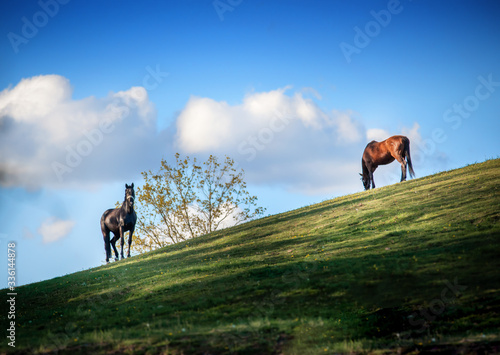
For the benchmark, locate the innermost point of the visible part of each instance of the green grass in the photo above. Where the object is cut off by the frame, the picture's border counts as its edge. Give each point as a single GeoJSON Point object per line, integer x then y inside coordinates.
{"type": "Point", "coordinates": [371, 272]}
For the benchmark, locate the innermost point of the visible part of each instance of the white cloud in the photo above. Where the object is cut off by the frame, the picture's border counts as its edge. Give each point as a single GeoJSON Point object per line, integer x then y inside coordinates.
{"type": "Point", "coordinates": [49, 139]}
{"type": "Point", "coordinates": [205, 124]}
{"type": "Point", "coordinates": [377, 134]}
{"type": "Point", "coordinates": [348, 129]}
{"type": "Point", "coordinates": [53, 229]}
{"type": "Point", "coordinates": [413, 134]}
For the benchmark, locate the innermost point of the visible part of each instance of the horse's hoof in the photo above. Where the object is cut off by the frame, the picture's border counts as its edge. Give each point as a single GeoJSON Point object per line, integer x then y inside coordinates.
{"type": "Point", "coordinates": [116, 259]}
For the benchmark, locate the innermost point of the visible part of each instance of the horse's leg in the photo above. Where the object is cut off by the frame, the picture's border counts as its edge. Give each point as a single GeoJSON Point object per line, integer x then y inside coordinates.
{"type": "Point", "coordinates": [371, 178]}
{"type": "Point", "coordinates": [130, 240]}
{"type": "Point", "coordinates": [107, 247]}
{"type": "Point", "coordinates": [113, 244]}
{"type": "Point", "coordinates": [122, 240]}
{"type": "Point", "coordinates": [402, 161]}
{"type": "Point", "coordinates": [398, 153]}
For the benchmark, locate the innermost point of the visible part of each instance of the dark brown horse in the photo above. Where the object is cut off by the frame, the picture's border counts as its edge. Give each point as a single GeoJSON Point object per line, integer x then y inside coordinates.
{"type": "Point", "coordinates": [382, 153]}
{"type": "Point", "coordinates": [118, 221]}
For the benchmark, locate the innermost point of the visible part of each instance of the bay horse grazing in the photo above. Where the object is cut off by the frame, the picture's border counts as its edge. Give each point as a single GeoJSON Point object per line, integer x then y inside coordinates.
{"type": "Point", "coordinates": [382, 153]}
{"type": "Point", "coordinates": [119, 220]}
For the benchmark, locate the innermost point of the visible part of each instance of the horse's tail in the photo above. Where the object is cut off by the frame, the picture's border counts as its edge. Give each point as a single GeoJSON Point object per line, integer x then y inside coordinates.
{"type": "Point", "coordinates": [408, 158]}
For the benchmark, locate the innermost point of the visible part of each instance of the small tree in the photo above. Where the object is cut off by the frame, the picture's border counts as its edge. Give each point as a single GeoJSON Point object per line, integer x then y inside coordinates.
{"type": "Point", "coordinates": [187, 200]}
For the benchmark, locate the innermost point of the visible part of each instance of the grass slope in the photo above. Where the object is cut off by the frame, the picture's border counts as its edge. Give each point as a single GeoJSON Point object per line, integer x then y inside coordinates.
{"type": "Point", "coordinates": [408, 267]}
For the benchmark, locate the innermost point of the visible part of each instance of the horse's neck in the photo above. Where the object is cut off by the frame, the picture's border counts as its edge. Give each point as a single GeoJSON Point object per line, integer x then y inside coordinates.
{"type": "Point", "coordinates": [366, 172]}
{"type": "Point", "coordinates": [126, 207]}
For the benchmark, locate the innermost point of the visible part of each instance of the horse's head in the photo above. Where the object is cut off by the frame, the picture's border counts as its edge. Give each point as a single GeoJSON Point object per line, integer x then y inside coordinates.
{"type": "Point", "coordinates": [366, 181]}
{"type": "Point", "coordinates": [130, 194]}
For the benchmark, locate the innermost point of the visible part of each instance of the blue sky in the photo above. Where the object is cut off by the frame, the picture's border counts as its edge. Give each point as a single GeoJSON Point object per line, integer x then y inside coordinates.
{"type": "Point", "coordinates": [292, 90]}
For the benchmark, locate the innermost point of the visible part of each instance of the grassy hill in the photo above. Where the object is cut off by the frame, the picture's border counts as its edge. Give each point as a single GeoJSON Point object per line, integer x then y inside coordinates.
{"type": "Point", "coordinates": [409, 267]}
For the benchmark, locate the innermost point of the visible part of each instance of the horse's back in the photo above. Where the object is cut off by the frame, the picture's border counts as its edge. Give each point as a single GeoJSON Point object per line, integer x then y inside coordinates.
{"type": "Point", "coordinates": [106, 213]}
{"type": "Point", "coordinates": [403, 140]}
{"type": "Point", "coordinates": [382, 153]}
